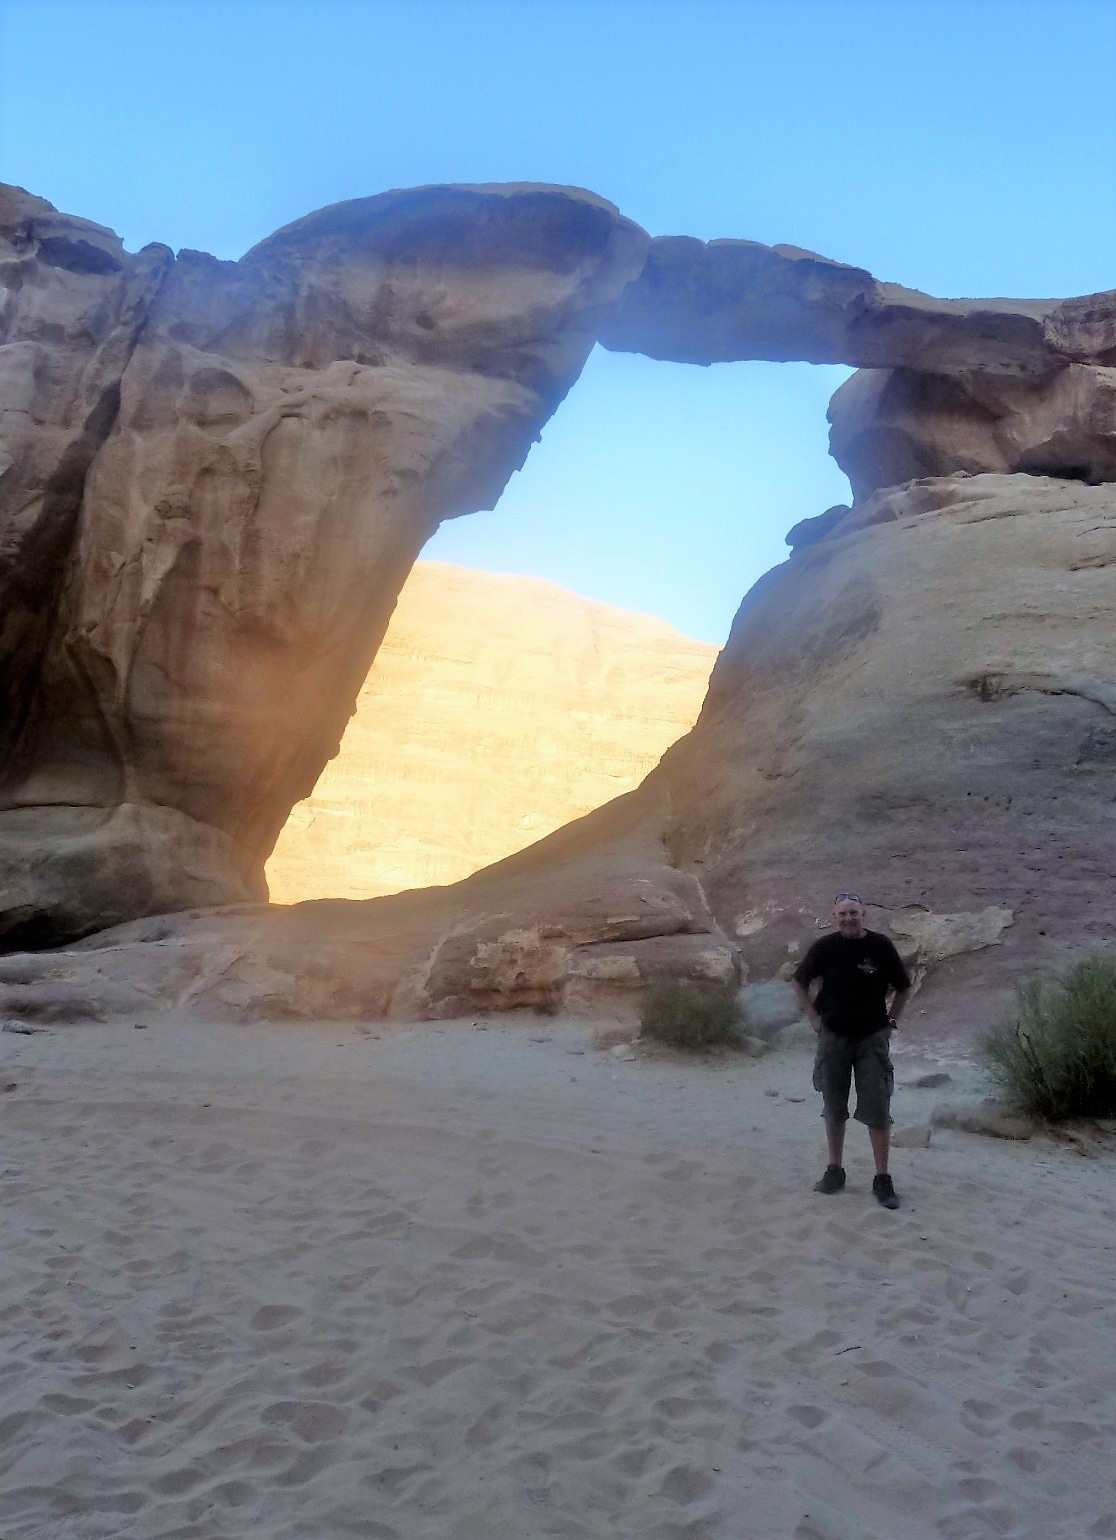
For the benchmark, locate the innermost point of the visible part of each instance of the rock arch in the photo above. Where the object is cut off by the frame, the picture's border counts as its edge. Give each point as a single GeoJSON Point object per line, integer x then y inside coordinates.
{"type": "Point", "coordinates": [218, 475]}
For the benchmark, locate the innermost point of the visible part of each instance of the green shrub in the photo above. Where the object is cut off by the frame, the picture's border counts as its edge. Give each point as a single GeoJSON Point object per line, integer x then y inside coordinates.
{"type": "Point", "coordinates": [1056, 1056]}
{"type": "Point", "coordinates": [690, 1016]}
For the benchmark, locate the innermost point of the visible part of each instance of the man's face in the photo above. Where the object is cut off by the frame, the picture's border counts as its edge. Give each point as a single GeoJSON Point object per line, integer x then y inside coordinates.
{"type": "Point", "coordinates": [848, 916]}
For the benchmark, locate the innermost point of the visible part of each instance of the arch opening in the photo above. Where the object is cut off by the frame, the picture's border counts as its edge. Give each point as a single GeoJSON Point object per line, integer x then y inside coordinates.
{"type": "Point", "coordinates": [544, 655]}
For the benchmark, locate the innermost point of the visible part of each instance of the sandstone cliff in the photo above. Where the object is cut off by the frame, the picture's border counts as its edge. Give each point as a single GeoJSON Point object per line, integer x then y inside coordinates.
{"type": "Point", "coordinates": [497, 709]}
{"type": "Point", "coordinates": [922, 705]}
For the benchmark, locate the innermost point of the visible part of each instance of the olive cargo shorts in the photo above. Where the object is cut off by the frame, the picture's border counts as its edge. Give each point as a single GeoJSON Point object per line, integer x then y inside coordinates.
{"type": "Point", "coordinates": [868, 1059]}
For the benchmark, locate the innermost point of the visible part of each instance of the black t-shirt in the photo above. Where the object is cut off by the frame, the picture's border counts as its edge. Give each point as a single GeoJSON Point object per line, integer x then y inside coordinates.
{"type": "Point", "coordinates": [856, 976]}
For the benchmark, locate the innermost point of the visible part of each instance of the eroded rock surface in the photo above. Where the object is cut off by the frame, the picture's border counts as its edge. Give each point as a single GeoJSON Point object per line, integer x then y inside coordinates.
{"type": "Point", "coordinates": [259, 458]}
{"type": "Point", "coordinates": [711, 302]}
{"type": "Point", "coordinates": [581, 921]}
{"type": "Point", "coordinates": [497, 709]}
{"type": "Point", "coordinates": [920, 706]}
{"type": "Point", "coordinates": [895, 425]}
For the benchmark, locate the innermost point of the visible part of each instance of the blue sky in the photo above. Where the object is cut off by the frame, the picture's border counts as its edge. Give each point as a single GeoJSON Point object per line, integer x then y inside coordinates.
{"type": "Point", "coordinates": [961, 148]}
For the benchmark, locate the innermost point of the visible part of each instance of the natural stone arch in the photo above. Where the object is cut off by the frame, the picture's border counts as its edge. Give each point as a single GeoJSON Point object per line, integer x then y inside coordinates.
{"type": "Point", "coordinates": [223, 471]}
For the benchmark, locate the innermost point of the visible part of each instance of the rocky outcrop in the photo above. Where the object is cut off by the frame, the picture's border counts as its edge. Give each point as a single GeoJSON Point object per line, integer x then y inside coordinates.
{"type": "Point", "coordinates": [497, 709]}
{"type": "Point", "coordinates": [581, 921]}
{"type": "Point", "coordinates": [897, 425]}
{"type": "Point", "coordinates": [234, 478]}
{"type": "Point", "coordinates": [921, 706]}
{"type": "Point", "coordinates": [943, 385]}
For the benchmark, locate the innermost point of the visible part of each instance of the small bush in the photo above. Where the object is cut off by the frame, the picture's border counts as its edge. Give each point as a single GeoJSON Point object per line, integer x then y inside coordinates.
{"type": "Point", "coordinates": [690, 1016]}
{"type": "Point", "coordinates": [1056, 1056]}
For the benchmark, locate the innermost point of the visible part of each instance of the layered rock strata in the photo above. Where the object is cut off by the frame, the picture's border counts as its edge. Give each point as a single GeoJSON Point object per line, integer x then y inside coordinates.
{"type": "Point", "coordinates": [497, 709]}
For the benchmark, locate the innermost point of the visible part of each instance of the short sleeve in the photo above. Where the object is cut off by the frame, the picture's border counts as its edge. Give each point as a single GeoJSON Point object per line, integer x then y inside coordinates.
{"type": "Point", "coordinates": [808, 969]}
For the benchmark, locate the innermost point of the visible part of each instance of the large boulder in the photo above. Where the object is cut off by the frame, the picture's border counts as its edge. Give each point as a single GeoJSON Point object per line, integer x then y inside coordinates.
{"type": "Point", "coordinates": [200, 552]}
{"type": "Point", "coordinates": [895, 425]}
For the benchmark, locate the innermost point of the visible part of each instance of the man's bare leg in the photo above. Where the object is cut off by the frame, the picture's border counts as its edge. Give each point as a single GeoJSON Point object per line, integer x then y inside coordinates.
{"type": "Point", "coordinates": [835, 1139]}
{"type": "Point", "coordinates": [881, 1144]}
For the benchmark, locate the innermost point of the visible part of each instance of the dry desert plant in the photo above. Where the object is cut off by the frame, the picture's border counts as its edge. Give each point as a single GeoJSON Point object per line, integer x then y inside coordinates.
{"type": "Point", "coordinates": [690, 1016]}
{"type": "Point", "coordinates": [1056, 1054]}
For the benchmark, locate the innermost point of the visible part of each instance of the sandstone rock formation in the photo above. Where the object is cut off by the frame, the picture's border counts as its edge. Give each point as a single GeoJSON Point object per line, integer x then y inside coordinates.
{"type": "Point", "coordinates": [241, 462]}
{"type": "Point", "coordinates": [581, 920]}
{"type": "Point", "coordinates": [921, 703]}
{"type": "Point", "coordinates": [497, 709]}
{"type": "Point", "coordinates": [217, 476]}
{"type": "Point", "coordinates": [895, 425]}
{"type": "Point", "coordinates": [711, 302]}
{"type": "Point", "coordinates": [944, 385]}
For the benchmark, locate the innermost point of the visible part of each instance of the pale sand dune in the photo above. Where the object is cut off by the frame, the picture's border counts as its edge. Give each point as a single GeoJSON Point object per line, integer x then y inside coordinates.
{"type": "Point", "coordinates": [283, 1281]}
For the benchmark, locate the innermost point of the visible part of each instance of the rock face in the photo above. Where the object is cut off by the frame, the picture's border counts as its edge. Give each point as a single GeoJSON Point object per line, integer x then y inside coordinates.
{"type": "Point", "coordinates": [216, 476]}
{"type": "Point", "coordinates": [920, 706]}
{"type": "Point", "coordinates": [238, 464]}
{"type": "Point", "coordinates": [497, 709]}
{"type": "Point", "coordinates": [896, 425]}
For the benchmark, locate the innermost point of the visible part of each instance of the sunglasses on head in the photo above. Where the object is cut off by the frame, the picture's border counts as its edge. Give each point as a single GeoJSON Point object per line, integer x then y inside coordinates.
{"type": "Point", "coordinates": [847, 898]}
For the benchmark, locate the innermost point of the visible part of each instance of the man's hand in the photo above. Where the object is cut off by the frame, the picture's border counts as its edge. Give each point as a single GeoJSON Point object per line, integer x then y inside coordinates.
{"type": "Point", "coordinates": [807, 1005]}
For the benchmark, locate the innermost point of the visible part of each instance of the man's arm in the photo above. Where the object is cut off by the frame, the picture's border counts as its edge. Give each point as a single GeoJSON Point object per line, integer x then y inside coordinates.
{"type": "Point", "coordinates": [809, 1010]}
{"type": "Point", "coordinates": [901, 983]}
{"type": "Point", "coordinates": [898, 1005]}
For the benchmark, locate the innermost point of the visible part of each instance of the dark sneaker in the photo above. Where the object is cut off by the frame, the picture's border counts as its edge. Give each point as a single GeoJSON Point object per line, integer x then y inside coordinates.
{"type": "Point", "coordinates": [833, 1179]}
{"type": "Point", "coordinates": [884, 1189]}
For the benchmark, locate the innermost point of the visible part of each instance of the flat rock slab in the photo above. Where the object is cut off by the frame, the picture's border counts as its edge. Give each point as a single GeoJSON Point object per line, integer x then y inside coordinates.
{"type": "Point", "coordinates": [995, 1122]}
{"type": "Point", "coordinates": [916, 1138]}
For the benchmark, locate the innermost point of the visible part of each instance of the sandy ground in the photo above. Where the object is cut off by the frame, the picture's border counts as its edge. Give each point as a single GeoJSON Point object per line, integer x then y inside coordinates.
{"type": "Point", "coordinates": [302, 1282]}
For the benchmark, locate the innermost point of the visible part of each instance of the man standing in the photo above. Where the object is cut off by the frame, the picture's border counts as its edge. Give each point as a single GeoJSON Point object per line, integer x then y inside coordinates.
{"type": "Point", "coordinates": [849, 1013]}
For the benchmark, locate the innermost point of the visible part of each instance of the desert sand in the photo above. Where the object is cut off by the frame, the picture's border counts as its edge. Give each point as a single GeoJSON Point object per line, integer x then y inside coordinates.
{"type": "Point", "coordinates": [466, 1281]}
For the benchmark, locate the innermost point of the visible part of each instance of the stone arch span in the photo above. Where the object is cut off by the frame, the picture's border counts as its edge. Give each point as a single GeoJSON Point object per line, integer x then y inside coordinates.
{"type": "Point", "coordinates": [220, 474]}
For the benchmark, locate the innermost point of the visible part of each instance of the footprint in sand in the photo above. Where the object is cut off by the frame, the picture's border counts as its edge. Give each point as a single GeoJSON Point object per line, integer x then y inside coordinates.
{"type": "Point", "coordinates": [977, 1415]}
{"type": "Point", "coordinates": [314, 1422]}
{"type": "Point", "coordinates": [271, 1317]}
{"type": "Point", "coordinates": [232, 1494]}
{"type": "Point", "coordinates": [685, 1484]}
